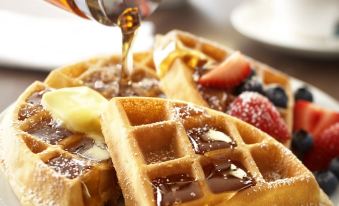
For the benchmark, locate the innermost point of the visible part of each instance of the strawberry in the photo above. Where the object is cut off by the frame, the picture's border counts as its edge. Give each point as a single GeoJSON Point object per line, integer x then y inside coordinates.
{"type": "Point", "coordinates": [325, 148]}
{"type": "Point", "coordinates": [257, 110]}
{"type": "Point", "coordinates": [230, 73]}
{"type": "Point", "coordinates": [306, 117]}
{"type": "Point", "coordinates": [312, 118]}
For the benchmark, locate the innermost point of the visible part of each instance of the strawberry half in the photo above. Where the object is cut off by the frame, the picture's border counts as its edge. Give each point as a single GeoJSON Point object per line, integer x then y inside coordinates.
{"type": "Point", "coordinates": [312, 118]}
{"type": "Point", "coordinates": [325, 148]}
{"type": "Point", "coordinates": [230, 73]}
{"type": "Point", "coordinates": [257, 110]}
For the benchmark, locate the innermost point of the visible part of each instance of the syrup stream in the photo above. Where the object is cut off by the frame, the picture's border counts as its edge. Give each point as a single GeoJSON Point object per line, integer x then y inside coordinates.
{"type": "Point", "coordinates": [129, 22]}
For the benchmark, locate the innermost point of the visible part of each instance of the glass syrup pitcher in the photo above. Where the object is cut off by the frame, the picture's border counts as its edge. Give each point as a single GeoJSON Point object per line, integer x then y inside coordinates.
{"type": "Point", "coordinates": [126, 14]}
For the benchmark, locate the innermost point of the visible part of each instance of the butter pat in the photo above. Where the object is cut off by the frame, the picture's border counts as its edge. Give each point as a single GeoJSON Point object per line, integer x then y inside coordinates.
{"type": "Point", "coordinates": [97, 153]}
{"type": "Point", "coordinates": [213, 135]}
{"type": "Point", "coordinates": [237, 172]}
{"type": "Point", "coordinates": [78, 108]}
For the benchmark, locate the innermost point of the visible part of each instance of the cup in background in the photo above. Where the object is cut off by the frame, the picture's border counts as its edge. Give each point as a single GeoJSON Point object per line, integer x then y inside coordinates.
{"type": "Point", "coordinates": [218, 11]}
{"type": "Point", "coordinates": [309, 18]}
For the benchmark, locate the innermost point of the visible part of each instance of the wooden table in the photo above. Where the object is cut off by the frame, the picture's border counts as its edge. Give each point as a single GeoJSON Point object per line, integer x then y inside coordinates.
{"type": "Point", "coordinates": [320, 73]}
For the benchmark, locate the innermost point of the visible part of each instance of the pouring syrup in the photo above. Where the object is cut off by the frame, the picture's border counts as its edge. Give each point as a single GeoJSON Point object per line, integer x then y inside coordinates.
{"type": "Point", "coordinates": [126, 14]}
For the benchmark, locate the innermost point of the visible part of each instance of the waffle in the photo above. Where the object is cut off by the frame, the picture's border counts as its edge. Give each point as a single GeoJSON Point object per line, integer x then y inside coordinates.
{"type": "Point", "coordinates": [47, 164]}
{"type": "Point", "coordinates": [49, 145]}
{"type": "Point", "coordinates": [178, 56]}
{"type": "Point", "coordinates": [102, 74]}
{"type": "Point", "coordinates": [168, 152]}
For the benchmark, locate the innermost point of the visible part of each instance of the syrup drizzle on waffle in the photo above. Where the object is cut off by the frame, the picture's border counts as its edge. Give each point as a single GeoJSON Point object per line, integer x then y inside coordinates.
{"type": "Point", "coordinates": [65, 156]}
{"type": "Point", "coordinates": [175, 188]}
{"type": "Point", "coordinates": [205, 139]}
{"type": "Point", "coordinates": [68, 167]}
{"type": "Point", "coordinates": [110, 83]}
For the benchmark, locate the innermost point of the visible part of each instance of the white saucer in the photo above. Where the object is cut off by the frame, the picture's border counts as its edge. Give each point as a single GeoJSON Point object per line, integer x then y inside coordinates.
{"type": "Point", "coordinates": [254, 19]}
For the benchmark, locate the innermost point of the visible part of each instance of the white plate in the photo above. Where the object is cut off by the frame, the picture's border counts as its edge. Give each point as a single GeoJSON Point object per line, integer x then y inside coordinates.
{"type": "Point", "coordinates": [254, 19]}
{"type": "Point", "coordinates": [37, 35]}
{"type": "Point", "coordinates": [8, 198]}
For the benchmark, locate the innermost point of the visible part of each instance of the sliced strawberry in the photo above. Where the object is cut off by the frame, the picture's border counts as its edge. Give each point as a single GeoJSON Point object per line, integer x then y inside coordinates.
{"type": "Point", "coordinates": [231, 73]}
{"type": "Point", "coordinates": [306, 117]}
{"type": "Point", "coordinates": [328, 118]}
{"type": "Point", "coordinates": [325, 148]}
{"type": "Point", "coordinates": [312, 118]}
{"type": "Point", "coordinates": [257, 110]}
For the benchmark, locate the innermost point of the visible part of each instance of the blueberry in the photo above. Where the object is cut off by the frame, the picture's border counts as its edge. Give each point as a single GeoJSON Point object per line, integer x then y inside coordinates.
{"type": "Point", "coordinates": [334, 166]}
{"type": "Point", "coordinates": [303, 93]}
{"type": "Point", "coordinates": [277, 95]}
{"type": "Point", "coordinates": [252, 84]}
{"type": "Point", "coordinates": [301, 142]}
{"type": "Point", "coordinates": [252, 74]}
{"type": "Point", "coordinates": [327, 181]}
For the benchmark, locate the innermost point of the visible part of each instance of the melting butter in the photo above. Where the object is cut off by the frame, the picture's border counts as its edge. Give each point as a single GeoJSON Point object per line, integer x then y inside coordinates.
{"type": "Point", "coordinates": [168, 49]}
{"type": "Point", "coordinates": [217, 136]}
{"type": "Point", "coordinates": [78, 108]}
{"type": "Point", "coordinates": [237, 172]}
{"type": "Point", "coordinates": [97, 152]}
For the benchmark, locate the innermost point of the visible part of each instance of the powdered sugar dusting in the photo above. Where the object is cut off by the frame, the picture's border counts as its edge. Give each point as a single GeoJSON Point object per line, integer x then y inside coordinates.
{"type": "Point", "coordinates": [33, 105]}
{"type": "Point", "coordinates": [246, 110]}
{"type": "Point", "coordinates": [187, 111]}
{"type": "Point", "coordinates": [38, 193]}
{"type": "Point", "coordinates": [49, 130]}
{"type": "Point", "coordinates": [110, 82]}
{"type": "Point", "coordinates": [70, 168]}
{"type": "Point", "coordinates": [161, 155]}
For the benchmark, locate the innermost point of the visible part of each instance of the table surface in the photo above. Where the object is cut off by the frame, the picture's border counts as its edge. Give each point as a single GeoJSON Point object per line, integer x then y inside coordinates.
{"type": "Point", "coordinates": [322, 74]}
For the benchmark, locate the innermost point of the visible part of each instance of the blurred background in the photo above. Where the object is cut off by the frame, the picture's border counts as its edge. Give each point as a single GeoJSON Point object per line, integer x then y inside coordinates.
{"type": "Point", "coordinates": [298, 37]}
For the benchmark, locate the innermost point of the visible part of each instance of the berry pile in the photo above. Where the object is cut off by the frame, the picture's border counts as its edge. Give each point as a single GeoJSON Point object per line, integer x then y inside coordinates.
{"type": "Point", "coordinates": [236, 74]}
{"type": "Point", "coordinates": [316, 139]}
{"type": "Point", "coordinates": [275, 93]}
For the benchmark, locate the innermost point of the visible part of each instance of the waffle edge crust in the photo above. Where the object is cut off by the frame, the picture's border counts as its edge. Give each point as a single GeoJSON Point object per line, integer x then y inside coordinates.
{"type": "Point", "coordinates": [148, 140]}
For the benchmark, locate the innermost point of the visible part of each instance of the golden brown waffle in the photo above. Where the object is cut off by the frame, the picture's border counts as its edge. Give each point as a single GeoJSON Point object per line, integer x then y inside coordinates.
{"type": "Point", "coordinates": [47, 144]}
{"type": "Point", "coordinates": [47, 164]}
{"type": "Point", "coordinates": [162, 157]}
{"type": "Point", "coordinates": [178, 54]}
{"type": "Point", "coordinates": [102, 74]}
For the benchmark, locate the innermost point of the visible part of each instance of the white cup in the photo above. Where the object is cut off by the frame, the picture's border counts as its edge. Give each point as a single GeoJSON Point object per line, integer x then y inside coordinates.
{"type": "Point", "coordinates": [311, 18]}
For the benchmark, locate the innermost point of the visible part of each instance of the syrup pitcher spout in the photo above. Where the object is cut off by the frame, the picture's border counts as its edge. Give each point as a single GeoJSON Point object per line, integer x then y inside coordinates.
{"type": "Point", "coordinates": [106, 12]}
